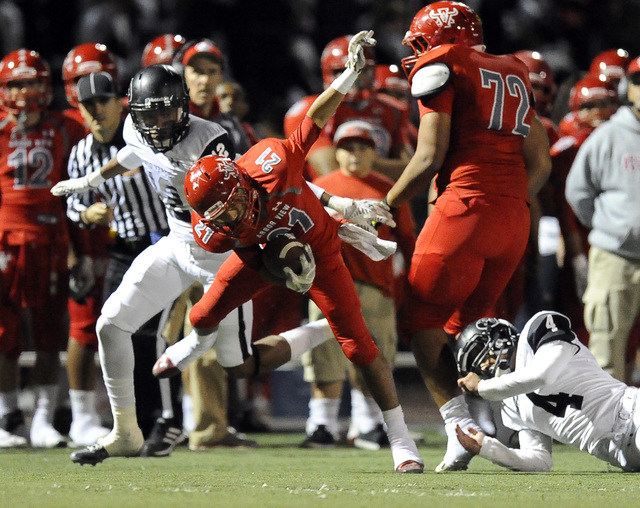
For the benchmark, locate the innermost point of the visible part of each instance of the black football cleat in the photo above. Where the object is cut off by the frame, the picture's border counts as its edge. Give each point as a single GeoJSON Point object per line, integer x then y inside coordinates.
{"type": "Point", "coordinates": [93, 455]}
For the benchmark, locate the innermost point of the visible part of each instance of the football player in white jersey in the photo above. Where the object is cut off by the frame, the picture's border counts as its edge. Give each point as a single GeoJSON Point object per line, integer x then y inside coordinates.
{"type": "Point", "coordinates": [551, 388]}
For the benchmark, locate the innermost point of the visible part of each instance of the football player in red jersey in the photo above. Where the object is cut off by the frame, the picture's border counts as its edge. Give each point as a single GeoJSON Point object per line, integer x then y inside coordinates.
{"type": "Point", "coordinates": [35, 143]}
{"type": "Point", "coordinates": [262, 195]}
{"type": "Point", "coordinates": [361, 103]}
{"type": "Point", "coordinates": [483, 140]}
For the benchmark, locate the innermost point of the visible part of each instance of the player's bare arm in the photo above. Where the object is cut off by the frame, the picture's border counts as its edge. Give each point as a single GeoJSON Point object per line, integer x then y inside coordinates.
{"type": "Point", "coordinates": [536, 156]}
{"type": "Point", "coordinates": [433, 144]}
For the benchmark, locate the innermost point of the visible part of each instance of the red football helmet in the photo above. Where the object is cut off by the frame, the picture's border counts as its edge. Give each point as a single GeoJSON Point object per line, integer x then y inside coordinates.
{"type": "Point", "coordinates": [334, 59]}
{"type": "Point", "coordinates": [541, 76]}
{"type": "Point", "coordinates": [24, 65]}
{"type": "Point", "coordinates": [389, 80]}
{"type": "Point", "coordinates": [161, 49]}
{"type": "Point", "coordinates": [220, 192]}
{"type": "Point", "coordinates": [593, 100]}
{"type": "Point", "coordinates": [82, 60]}
{"type": "Point", "coordinates": [610, 65]}
{"type": "Point", "coordinates": [441, 23]}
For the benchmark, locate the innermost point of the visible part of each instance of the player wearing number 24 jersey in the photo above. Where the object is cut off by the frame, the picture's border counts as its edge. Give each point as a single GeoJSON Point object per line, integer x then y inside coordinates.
{"type": "Point", "coordinates": [555, 391]}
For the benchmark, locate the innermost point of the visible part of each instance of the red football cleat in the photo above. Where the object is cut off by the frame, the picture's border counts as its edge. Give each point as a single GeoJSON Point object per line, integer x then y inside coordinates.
{"type": "Point", "coordinates": [410, 467]}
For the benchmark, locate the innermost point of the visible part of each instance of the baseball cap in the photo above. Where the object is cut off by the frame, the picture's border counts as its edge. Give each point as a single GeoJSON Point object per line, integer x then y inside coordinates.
{"type": "Point", "coordinates": [96, 84]}
{"type": "Point", "coordinates": [206, 48]}
{"type": "Point", "coordinates": [355, 129]}
{"type": "Point", "coordinates": [634, 66]}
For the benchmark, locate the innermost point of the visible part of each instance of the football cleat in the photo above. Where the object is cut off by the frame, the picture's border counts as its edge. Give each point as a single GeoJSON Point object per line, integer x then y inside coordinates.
{"type": "Point", "coordinates": [8, 440]}
{"type": "Point", "coordinates": [457, 465]}
{"type": "Point", "coordinates": [372, 440]}
{"type": "Point", "coordinates": [410, 467]}
{"type": "Point", "coordinates": [165, 436]}
{"type": "Point", "coordinates": [320, 439]}
{"type": "Point", "coordinates": [164, 367]}
{"type": "Point", "coordinates": [93, 455]}
{"type": "Point", "coordinates": [233, 439]}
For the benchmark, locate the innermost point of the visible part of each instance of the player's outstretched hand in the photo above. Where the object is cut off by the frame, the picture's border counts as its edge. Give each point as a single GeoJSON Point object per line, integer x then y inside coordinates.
{"type": "Point", "coordinates": [356, 58]}
{"type": "Point", "coordinates": [472, 442]}
{"type": "Point", "coordinates": [302, 282]}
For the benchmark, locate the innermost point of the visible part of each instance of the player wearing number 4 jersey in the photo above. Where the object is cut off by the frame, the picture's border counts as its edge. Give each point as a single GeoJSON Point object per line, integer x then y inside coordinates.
{"type": "Point", "coordinates": [552, 389]}
{"type": "Point", "coordinates": [480, 136]}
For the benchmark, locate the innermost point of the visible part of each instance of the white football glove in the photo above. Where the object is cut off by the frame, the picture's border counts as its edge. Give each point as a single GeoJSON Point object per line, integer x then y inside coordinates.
{"type": "Point", "coordinates": [356, 60]}
{"type": "Point", "coordinates": [79, 185]}
{"type": "Point", "coordinates": [303, 282]}
{"type": "Point", "coordinates": [580, 274]}
{"type": "Point", "coordinates": [363, 212]}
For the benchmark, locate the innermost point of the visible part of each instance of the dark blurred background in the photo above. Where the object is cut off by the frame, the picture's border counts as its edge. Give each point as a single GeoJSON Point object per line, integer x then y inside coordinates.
{"type": "Point", "coordinates": [273, 46]}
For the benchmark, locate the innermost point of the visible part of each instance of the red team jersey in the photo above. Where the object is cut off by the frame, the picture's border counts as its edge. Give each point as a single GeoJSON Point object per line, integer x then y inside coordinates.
{"type": "Point", "coordinates": [476, 235]}
{"type": "Point", "coordinates": [33, 232]}
{"type": "Point", "coordinates": [287, 205]}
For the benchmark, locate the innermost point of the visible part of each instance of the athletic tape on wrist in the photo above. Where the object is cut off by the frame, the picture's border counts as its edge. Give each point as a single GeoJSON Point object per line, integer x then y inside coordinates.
{"type": "Point", "coordinates": [345, 81]}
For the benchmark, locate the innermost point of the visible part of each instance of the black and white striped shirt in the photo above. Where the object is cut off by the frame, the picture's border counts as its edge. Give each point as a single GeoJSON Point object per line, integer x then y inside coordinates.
{"type": "Point", "coordinates": [137, 209]}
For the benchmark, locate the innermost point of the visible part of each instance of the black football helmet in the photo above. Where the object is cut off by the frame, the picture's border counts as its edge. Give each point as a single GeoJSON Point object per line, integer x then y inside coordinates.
{"type": "Point", "coordinates": [482, 341]}
{"type": "Point", "coordinates": [159, 105]}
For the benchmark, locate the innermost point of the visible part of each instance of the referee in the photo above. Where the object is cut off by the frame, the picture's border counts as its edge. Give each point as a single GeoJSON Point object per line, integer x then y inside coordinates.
{"type": "Point", "coordinates": [137, 218]}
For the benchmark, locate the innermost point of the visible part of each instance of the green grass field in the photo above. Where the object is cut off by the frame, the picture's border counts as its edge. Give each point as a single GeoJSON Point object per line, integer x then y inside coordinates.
{"type": "Point", "coordinates": [279, 474]}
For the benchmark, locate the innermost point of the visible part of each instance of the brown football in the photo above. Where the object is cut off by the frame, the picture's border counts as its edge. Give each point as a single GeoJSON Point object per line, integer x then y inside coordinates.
{"type": "Point", "coordinates": [283, 251]}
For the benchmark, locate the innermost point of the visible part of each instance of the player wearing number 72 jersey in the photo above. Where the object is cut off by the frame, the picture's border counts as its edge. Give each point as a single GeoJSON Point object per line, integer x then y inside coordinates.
{"type": "Point", "coordinates": [479, 134]}
{"type": "Point", "coordinates": [555, 391]}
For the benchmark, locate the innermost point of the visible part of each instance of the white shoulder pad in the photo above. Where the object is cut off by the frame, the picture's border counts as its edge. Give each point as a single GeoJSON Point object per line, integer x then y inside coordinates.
{"type": "Point", "coordinates": [430, 80]}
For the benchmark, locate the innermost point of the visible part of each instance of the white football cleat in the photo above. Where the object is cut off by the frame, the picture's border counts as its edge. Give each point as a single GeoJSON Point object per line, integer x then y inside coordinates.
{"type": "Point", "coordinates": [45, 436]}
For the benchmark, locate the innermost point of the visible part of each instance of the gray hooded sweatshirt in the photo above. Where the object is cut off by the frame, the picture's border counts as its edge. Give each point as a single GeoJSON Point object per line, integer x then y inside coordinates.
{"type": "Point", "coordinates": [603, 186]}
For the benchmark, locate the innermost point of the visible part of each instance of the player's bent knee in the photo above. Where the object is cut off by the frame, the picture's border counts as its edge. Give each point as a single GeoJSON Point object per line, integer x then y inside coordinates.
{"type": "Point", "coordinates": [107, 331]}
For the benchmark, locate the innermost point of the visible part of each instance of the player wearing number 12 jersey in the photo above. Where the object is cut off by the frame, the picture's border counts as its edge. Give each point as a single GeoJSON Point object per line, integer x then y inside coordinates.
{"type": "Point", "coordinates": [479, 134]}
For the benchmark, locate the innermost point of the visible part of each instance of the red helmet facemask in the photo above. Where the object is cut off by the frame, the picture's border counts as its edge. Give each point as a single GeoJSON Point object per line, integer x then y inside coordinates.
{"type": "Point", "coordinates": [24, 66]}
{"type": "Point", "coordinates": [441, 23]}
{"type": "Point", "coordinates": [82, 60]}
{"type": "Point", "coordinates": [218, 190]}
{"type": "Point", "coordinates": [593, 101]}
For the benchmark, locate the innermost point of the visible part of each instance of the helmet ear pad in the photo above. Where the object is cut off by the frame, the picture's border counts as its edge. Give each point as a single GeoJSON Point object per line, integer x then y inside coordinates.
{"type": "Point", "coordinates": [159, 88]}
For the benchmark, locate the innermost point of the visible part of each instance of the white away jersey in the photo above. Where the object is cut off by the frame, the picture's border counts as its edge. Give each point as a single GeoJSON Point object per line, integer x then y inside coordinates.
{"type": "Point", "coordinates": [580, 407]}
{"type": "Point", "coordinates": [166, 171]}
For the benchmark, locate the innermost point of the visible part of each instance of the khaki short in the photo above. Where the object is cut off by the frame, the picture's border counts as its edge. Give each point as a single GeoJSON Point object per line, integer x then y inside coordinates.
{"type": "Point", "coordinates": [327, 362]}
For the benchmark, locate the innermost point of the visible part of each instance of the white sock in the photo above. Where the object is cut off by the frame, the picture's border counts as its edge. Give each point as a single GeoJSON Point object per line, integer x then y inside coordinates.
{"type": "Point", "coordinates": [365, 412]}
{"type": "Point", "coordinates": [403, 447]}
{"type": "Point", "coordinates": [188, 422]}
{"type": "Point", "coordinates": [305, 338]}
{"type": "Point", "coordinates": [323, 412]}
{"type": "Point", "coordinates": [8, 402]}
{"type": "Point", "coordinates": [190, 348]}
{"type": "Point", "coordinates": [456, 412]}
{"type": "Point", "coordinates": [126, 437]}
{"type": "Point", "coordinates": [46, 396]}
{"type": "Point", "coordinates": [83, 403]}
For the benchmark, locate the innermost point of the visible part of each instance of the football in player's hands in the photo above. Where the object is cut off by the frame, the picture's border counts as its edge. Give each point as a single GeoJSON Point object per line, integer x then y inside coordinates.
{"type": "Point", "coordinates": [283, 251]}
